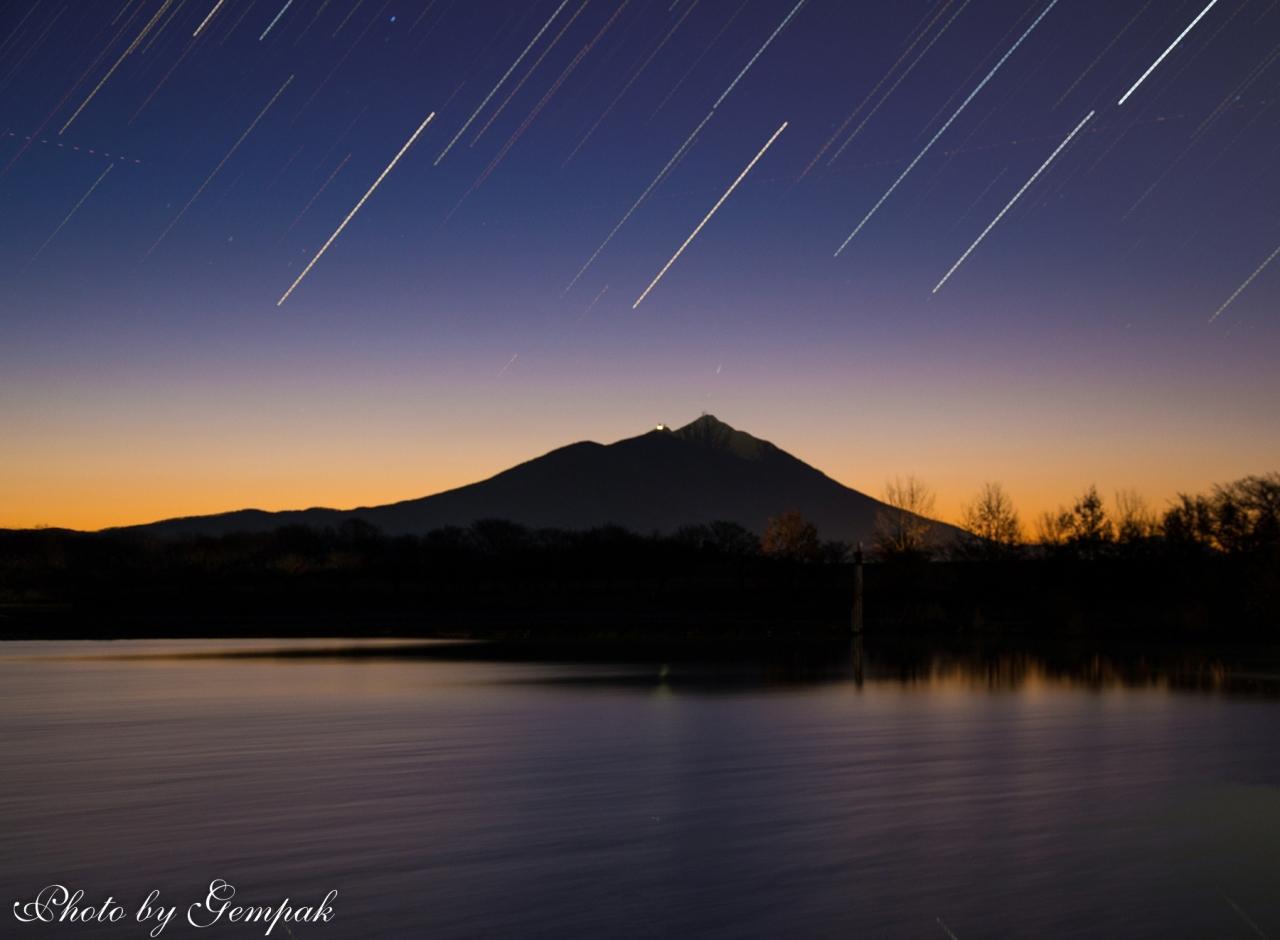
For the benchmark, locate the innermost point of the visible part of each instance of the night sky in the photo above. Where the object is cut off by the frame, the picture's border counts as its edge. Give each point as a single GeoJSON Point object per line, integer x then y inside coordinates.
{"type": "Point", "coordinates": [168, 169]}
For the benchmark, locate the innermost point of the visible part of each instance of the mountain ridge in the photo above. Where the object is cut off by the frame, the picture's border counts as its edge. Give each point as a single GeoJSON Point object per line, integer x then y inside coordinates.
{"type": "Point", "coordinates": [657, 481]}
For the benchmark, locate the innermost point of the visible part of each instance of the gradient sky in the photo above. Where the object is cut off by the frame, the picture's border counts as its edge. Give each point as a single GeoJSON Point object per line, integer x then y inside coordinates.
{"type": "Point", "coordinates": [1076, 345]}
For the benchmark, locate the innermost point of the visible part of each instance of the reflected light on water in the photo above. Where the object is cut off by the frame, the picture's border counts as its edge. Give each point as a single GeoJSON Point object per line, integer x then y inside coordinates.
{"type": "Point", "coordinates": [456, 790]}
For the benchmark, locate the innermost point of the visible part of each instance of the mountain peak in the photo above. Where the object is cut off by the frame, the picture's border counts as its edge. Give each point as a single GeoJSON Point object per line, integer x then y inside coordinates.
{"type": "Point", "coordinates": [710, 431]}
{"type": "Point", "coordinates": [707, 420]}
{"type": "Point", "coordinates": [661, 481]}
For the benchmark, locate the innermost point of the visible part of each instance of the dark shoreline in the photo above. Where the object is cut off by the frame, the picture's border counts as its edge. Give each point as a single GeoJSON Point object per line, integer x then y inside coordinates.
{"type": "Point", "coordinates": [500, 581]}
{"type": "Point", "coordinates": [698, 662]}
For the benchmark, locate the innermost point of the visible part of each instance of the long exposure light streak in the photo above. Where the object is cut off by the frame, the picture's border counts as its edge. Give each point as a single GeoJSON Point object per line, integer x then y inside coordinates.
{"type": "Point", "coordinates": [507, 74]}
{"type": "Point", "coordinates": [942, 130]}
{"type": "Point", "coordinates": [323, 187]}
{"type": "Point", "coordinates": [351, 214]}
{"type": "Point", "coordinates": [528, 74]}
{"type": "Point", "coordinates": [636, 205]}
{"type": "Point", "coordinates": [1247, 281]}
{"type": "Point", "coordinates": [894, 87]}
{"type": "Point", "coordinates": [73, 211]}
{"type": "Point", "coordinates": [124, 55]}
{"type": "Point", "coordinates": [221, 163]}
{"type": "Point", "coordinates": [684, 147]}
{"type": "Point", "coordinates": [273, 23]}
{"type": "Point", "coordinates": [1163, 55]}
{"type": "Point", "coordinates": [205, 22]}
{"type": "Point", "coordinates": [747, 67]}
{"type": "Point", "coordinates": [1016, 196]}
{"type": "Point", "coordinates": [707, 218]}
{"type": "Point", "coordinates": [631, 81]}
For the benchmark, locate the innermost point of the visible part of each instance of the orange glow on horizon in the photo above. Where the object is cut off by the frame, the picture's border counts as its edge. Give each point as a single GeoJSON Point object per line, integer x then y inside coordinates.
{"type": "Point", "coordinates": [149, 480]}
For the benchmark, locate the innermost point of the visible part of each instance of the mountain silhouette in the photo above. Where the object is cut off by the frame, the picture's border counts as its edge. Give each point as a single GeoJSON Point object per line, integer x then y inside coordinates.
{"type": "Point", "coordinates": [657, 482]}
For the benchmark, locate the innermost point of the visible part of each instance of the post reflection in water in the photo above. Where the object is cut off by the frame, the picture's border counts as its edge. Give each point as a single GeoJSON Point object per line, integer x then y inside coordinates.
{"type": "Point", "coordinates": [454, 790]}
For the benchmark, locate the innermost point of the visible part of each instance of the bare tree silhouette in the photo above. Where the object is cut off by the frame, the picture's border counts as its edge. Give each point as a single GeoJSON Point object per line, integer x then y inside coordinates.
{"type": "Point", "coordinates": [791, 535]}
{"type": "Point", "coordinates": [993, 523]}
{"type": "Point", "coordinates": [1135, 522]}
{"type": "Point", "coordinates": [903, 529]}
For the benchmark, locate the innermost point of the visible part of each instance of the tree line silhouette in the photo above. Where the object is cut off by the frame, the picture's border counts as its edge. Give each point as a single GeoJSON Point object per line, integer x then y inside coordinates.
{"type": "Point", "coordinates": [1234, 519]}
{"type": "Point", "coordinates": [1208, 565]}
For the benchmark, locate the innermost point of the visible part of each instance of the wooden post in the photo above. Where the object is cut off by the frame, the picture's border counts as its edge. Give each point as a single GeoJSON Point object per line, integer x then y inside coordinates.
{"type": "Point", "coordinates": [857, 591]}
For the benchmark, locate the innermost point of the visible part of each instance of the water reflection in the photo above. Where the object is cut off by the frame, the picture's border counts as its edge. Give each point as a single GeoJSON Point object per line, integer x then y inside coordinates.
{"type": "Point", "coordinates": [462, 789]}
{"type": "Point", "coordinates": [694, 665]}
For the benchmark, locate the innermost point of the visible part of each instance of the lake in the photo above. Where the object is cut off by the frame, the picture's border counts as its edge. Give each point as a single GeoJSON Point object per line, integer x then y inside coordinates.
{"type": "Point", "coordinates": [447, 791]}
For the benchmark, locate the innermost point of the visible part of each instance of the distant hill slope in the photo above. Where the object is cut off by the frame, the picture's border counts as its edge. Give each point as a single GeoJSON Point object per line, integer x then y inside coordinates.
{"type": "Point", "coordinates": [659, 481]}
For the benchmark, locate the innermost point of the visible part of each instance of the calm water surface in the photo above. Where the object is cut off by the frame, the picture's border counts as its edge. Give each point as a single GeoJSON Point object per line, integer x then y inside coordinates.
{"type": "Point", "coordinates": [444, 793]}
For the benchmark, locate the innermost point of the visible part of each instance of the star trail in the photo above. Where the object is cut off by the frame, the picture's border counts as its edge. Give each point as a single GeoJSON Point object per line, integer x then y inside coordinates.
{"type": "Point", "coordinates": [1097, 181]}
